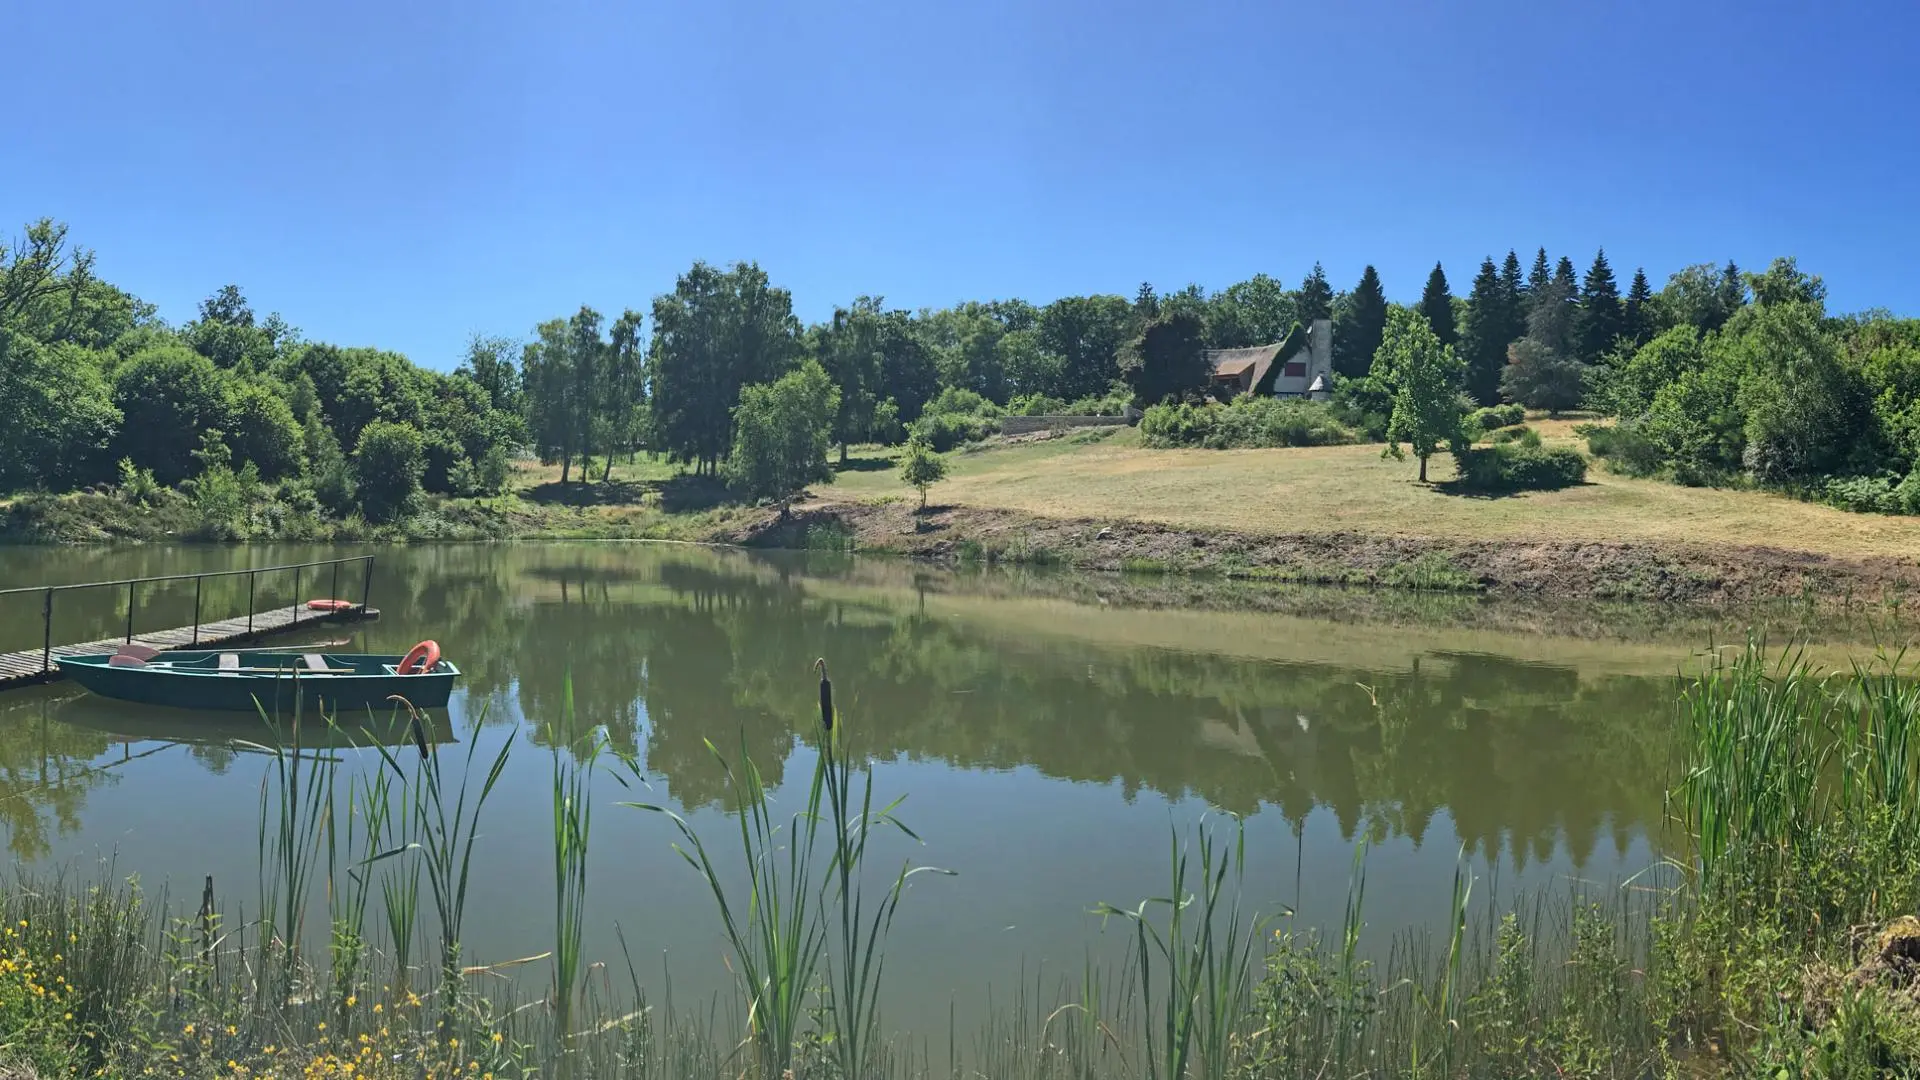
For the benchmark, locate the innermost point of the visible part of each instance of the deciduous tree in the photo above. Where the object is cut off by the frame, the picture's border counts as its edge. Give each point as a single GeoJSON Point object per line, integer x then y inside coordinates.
{"type": "Point", "coordinates": [782, 431]}
{"type": "Point", "coordinates": [1168, 359]}
{"type": "Point", "coordinates": [1425, 377]}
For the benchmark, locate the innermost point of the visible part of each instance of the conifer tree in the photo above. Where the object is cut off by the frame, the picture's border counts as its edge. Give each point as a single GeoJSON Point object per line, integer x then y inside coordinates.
{"type": "Point", "coordinates": [1600, 319]}
{"type": "Point", "coordinates": [1314, 299]}
{"type": "Point", "coordinates": [1360, 324]}
{"type": "Point", "coordinates": [1436, 303]}
{"type": "Point", "coordinates": [1484, 340]}
{"type": "Point", "coordinates": [1637, 318]}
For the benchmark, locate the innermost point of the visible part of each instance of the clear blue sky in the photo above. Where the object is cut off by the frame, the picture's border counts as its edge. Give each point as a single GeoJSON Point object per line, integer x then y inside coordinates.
{"type": "Point", "coordinates": [404, 173]}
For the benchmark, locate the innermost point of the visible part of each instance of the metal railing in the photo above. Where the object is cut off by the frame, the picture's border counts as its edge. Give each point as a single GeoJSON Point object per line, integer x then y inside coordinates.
{"type": "Point", "coordinates": [252, 575]}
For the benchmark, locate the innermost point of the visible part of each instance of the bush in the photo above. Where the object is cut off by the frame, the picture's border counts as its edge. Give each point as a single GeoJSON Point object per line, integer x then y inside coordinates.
{"type": "Point", "coordinates": [958, 401]}
{"type": "Point", "coordinates": [1625, 447]}
{"type": "Point", "coordinates": [1496, 416]}
{"type": "Point", "coordinates": [944, 431]}
{"type": "Point", "coordinates": [1520, 433]}
{"type": "Point", "coordinates": [1876, 494]}
{"type": "Point", "coordinates": [1518, 467]}
{"type": "Point", "coordinates": [1036, 405]}
{"type": "Point", "coordinates": [388, 465]}
{"type": "Point", "coordinates": [1246, 423]}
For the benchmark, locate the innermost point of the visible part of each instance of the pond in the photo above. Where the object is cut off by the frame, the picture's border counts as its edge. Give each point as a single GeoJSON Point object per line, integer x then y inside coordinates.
{"type": "Point", "coordinates": [1047, 729]}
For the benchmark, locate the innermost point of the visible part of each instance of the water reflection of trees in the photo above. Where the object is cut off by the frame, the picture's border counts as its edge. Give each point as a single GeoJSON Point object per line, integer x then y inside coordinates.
{"type": "Point", "coordinates": [668, 649]}
{"type": "Point", "coordinates": [46, 771]}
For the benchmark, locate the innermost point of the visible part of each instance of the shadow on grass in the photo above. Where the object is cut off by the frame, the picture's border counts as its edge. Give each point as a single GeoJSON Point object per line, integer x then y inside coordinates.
{"type": "Point", "coordinates": [688, 493]}
{"type": "Point", "coordinates": [1461, 491]}
{"type": "Point", "coordinates": [591, 493]}
{"type": "Point", "coordinates": [864, 464]}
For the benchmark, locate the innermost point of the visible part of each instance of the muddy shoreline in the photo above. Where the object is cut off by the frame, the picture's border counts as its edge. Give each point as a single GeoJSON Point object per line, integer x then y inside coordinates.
{"type": "Point", "coordinates": [1516, 568]}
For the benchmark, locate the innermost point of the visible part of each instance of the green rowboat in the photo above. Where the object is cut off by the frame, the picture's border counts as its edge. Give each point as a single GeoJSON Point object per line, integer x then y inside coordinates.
{"type": "Point", "coordinates": [274, 681]}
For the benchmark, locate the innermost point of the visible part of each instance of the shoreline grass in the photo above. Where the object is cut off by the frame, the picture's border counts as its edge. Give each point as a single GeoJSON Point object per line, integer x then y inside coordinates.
{"type": "Point", "coordinates": [1778, 939]}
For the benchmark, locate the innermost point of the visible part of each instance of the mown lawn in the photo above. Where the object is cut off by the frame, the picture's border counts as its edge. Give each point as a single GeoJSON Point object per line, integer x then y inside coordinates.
{"type": "Point", "coordinates": [1352, 488]}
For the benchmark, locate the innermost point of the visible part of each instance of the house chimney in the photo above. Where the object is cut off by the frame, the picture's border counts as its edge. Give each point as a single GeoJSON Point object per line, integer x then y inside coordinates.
{"type": "Point", "coordinates": [1320, 348]}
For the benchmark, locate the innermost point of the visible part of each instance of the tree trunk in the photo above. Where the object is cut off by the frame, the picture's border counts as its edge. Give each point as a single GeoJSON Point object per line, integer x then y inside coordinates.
{"type": "Point", "coordinates": [843, 453]}
{"type": "Point", "coordinates": [566, 464]}
{"type": "Point", "coordinates": [1423, 468]}
{"type": "Point", "coordinates": [607, 473]}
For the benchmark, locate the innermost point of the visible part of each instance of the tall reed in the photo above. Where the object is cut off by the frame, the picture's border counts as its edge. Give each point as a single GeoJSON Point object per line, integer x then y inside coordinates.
{"type": "Point", "coordinates": [1206, 951]}
{"type": "Point", "coordinates": [572, 828]}
{"type": "Point", "coordinates": [444, 834]}
{"type": "Point", "coordinates": [299, 788]}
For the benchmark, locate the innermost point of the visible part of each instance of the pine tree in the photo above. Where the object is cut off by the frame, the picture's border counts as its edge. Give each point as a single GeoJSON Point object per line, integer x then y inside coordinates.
{"type": "Point", "coordinates": [1483, 340]}
{"type": "Point", "coordinates": [1362, 321]}
{"type": "Point", "coordinates": [1600, 319]}
{"type": "Point", "coordinates": [1146, 303]}
{"type": "Point", "coordinates": [1568, 281]}
{"type": "Point", "coordinates": [1314, 299]}
{"type": "Point", "coordinates": [1637, 319]}
{"type": "Point", "coordinates": [1733, 290]}
{"type": "Point", "coordinates": [1436, 303]}
{"type": "Point", "coordinates": [1538, 277]}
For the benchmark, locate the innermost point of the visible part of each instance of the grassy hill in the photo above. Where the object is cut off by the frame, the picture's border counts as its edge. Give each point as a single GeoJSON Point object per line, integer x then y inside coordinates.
{"type": "Point", "coordinates": [1352, 489]}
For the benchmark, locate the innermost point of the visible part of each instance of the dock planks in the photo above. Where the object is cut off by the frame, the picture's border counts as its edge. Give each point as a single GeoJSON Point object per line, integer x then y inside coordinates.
{"type": "Point", "coordinates": [22, 668]}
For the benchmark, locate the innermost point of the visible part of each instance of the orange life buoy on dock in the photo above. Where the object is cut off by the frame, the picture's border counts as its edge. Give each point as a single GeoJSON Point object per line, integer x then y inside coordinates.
{"type": "Point", "coordinates": [329, 605]}
{"type": "Point", "coordinates": [420, 659]}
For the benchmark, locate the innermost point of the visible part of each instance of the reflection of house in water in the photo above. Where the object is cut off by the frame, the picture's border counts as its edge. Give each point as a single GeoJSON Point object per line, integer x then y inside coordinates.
{"type": "Point", "coordinates": [1301, 365]}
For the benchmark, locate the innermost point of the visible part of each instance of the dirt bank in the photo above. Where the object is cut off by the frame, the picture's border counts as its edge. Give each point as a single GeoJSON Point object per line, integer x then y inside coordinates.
{"type": "Point", "coordinates": [1572, 570]}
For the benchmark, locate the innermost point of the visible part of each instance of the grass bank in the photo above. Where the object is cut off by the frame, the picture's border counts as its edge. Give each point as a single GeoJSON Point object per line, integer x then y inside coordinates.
{"type": "Point", "coordinates": [1779, 939]}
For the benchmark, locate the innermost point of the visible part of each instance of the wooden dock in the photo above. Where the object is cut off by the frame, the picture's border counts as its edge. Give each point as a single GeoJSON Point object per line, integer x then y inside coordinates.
{"type": "Point", "coordinates": [37, 665]}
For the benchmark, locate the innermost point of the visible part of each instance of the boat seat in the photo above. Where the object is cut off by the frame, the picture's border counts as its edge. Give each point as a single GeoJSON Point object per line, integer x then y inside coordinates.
{"type": "Point", "coordinates": [229, 661]}
{"type": "Point", "coordinates": [315, 662]}
{"type": "Point", "coordinates": [125, 660]}
{"type": "Point", "coordinates": [137, 651]}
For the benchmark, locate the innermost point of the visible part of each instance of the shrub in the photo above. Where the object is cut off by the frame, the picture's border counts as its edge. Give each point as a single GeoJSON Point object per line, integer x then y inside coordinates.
{"type": "Point", "coordinates": [959, 401]}
{"type": "Point", "coordinates": [1625, 447]}
{"type": "Point", "coordinates": [1246, 423]}
{"type": "Point", "coordinates": [1520, 433]}
{"type": "Point", "coordinates": [1036, 405]}
{"type": "Point", "coordinates": [944, 431]}
{"type": "Point", "coordinates": [1876, 494]}
{"type": "Point", "coordinates": [1518, 467]}
{"type": "Point", "coordinates": [388, 465]}
{"type": "Point", "coordinates": [1496, 416]}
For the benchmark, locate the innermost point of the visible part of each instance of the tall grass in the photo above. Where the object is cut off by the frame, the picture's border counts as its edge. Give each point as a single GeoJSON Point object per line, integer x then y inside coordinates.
{"type": "Point", "coordinates": [572, 830]}
{"type": "Point", "coordinates": [444, 833]}
{"type": "Point", "coordinates": [298, 787]}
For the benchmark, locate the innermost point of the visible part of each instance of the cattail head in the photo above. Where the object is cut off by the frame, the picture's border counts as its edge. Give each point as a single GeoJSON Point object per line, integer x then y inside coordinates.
{"type": "Point", "coordinates": [826, 694]}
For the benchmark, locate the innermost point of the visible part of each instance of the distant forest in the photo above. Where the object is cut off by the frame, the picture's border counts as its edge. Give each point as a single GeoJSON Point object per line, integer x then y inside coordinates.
{"type": "Point", "coordinates": [1720, 376]}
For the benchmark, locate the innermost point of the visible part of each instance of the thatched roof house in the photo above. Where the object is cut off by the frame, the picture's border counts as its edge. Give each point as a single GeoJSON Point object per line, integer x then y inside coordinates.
{"type": "Point", "coordinates": [1301, 365]}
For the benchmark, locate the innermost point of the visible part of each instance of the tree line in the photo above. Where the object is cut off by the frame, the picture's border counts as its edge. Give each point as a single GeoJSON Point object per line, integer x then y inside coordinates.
{"type": "Point", "coordinates": [101, 385]}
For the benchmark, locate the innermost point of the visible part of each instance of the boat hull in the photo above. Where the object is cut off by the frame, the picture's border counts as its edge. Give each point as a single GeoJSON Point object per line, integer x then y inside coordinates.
{"type": "Point", "coordinates": [185, 687]}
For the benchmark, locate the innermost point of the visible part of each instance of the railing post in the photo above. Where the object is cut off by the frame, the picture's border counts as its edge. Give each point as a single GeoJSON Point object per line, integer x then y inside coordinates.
{"type": "Point", "coordinates": [366, 587]}
{"type": "Point", "coordinates": [197, 579]}
{"type": "Point", "coordinates": [250, 574]}
{"type": "Point", "coordinates": [333, 591]}
{"type": "Point", "coordinates": [129, 611]}
{"type": "Point", "coordinates": [46, 645]}
{"type": "Point", "coordinates": [296, 596]}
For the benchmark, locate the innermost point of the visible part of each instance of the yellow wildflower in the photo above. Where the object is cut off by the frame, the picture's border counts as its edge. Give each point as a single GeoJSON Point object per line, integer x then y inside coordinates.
{"type": "Point", "coordinates": [352, 1000]}
{"type": "Point", "coordinates": [496, 1038]}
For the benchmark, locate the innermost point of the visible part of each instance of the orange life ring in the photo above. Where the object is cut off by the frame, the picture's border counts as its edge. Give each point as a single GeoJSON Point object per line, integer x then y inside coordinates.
{"type": "Point", "coordinates": [426, 655]}
{"type": "Point", "coordinates": [329, 605]}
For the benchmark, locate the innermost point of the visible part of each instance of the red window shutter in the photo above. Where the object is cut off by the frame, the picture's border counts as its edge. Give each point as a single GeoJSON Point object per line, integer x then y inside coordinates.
{"type": "Point", "coordinates": [1295, 369]}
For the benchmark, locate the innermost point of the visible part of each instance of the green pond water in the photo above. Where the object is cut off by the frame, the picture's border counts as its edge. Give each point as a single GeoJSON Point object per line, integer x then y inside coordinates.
{"type": "Point", "coordinates": [1046, 728]}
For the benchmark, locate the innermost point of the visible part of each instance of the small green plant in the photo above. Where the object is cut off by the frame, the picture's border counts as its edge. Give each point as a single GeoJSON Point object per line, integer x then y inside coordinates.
{"type": "Point", "coordinates": [921, 467]}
